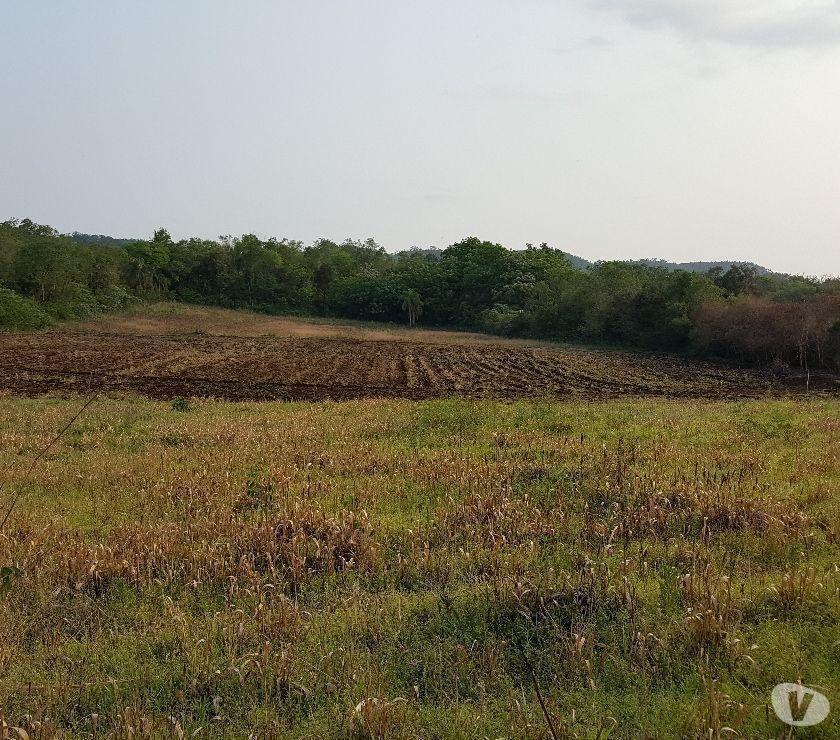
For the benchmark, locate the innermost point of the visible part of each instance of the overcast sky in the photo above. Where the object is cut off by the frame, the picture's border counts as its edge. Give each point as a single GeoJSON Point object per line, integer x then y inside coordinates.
{"type": "Point", "coordinates": [681, 129]}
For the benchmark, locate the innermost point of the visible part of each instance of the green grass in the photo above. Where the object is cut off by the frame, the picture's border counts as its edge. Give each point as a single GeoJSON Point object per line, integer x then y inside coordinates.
{"type": "Point", "coordinates": [268, 568]}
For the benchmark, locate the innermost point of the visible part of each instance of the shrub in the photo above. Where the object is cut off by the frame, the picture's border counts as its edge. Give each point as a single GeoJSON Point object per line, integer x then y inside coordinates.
{"type": "Point", "coordinates": [18, 312]}
{"type": "Point", "coordinates": [179, 403]}
{"type": "Point", "coordinates": [503, 321]}
{"type": "Point", "coordinates": [76, 302]}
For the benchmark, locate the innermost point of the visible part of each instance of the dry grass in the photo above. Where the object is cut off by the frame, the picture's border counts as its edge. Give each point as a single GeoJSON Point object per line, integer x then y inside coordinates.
{"type": "Point", "coordinates": [397, 569]}
{"type": "Point", "coordinates": [180, 318]}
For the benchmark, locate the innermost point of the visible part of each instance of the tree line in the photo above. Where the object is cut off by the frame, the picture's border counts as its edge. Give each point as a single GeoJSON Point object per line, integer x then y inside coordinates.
{"type": "Point", "coordinates": [535, 292]}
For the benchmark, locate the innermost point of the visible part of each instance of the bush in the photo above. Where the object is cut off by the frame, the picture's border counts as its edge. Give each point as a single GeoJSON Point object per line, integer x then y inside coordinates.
{"type": "Point", "coordinates": [115, 298]}
{"type": "Point", "coordinates": [503, 320]}
{"type": "Point", "coordinates": [179, 403]}
{"type": "Point", "coordinates": [76, 302]}
{"type": "Point", "coordinates": [17, 312]}
{"type": "Point", "coordinates": [758, 330]}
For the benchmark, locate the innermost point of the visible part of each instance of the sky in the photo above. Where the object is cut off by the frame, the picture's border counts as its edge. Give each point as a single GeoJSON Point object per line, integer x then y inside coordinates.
{"type": "Point", "coordinates": [612, 129]}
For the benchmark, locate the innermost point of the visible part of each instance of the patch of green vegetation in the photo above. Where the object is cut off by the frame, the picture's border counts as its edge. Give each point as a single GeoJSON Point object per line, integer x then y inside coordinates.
{"type": "Point", "coordinates": [398, 569]}
{"type": "Point", "coordinates": [20, 313]}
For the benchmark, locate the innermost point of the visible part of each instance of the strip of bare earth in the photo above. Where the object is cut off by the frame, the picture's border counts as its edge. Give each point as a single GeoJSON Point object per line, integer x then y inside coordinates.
{"type": "Point", "coordinates": [295, 368]}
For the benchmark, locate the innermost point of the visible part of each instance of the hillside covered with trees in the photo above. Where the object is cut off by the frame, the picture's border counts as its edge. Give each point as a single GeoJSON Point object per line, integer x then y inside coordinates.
{"type": "Point", "coordinates": [536, 292]}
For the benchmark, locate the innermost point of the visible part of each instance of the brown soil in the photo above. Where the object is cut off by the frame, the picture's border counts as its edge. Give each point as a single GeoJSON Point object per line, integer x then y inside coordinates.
{"type": "Point", "coordinates": [311, 368]}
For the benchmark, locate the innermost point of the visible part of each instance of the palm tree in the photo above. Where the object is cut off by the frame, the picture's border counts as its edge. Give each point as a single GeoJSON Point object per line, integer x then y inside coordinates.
{"type": "Point", "coordinates": [413, 305]}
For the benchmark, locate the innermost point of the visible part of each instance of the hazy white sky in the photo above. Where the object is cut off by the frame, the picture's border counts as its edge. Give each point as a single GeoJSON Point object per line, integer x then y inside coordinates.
{"type": "Point", "coordinates": [609, 128]}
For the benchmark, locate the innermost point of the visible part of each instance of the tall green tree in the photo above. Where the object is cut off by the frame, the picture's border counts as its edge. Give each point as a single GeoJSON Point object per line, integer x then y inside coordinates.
{"type": "Point", "coordinates": [412, 304]}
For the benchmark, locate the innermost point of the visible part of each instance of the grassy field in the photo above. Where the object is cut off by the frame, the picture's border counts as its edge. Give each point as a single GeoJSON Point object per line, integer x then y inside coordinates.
{"type": "Point", "coordinates": [400, 569]}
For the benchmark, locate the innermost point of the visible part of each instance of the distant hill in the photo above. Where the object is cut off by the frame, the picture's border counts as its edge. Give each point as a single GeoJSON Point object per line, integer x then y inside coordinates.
{"type": "Point", "coordinates": [701, 266]}
{"type": "Point", "coordinates": [101, 239]}
{"type": "Point", "coordinates": [579, 262]}
{"type": "Point", "coordinates": [583, 264]}
{"type": "Point", "coordinates": [429, 252]}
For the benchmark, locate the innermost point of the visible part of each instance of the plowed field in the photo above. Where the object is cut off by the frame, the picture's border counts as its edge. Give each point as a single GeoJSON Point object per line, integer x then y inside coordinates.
{"type": "Point", "coordinates": [289, 368]}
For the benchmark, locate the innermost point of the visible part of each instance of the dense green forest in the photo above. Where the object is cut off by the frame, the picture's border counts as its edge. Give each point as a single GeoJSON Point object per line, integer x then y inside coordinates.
{"type": "Point", "coordinates": [535, 292]}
